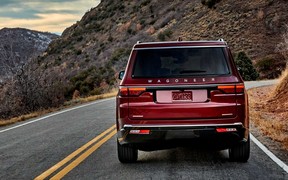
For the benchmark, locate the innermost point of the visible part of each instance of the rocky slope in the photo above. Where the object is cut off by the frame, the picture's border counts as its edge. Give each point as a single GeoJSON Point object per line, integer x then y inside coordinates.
{"type": "Point", "coordinates": [106, 33]}
{"type": "Point", "coordinates": [18, 45]}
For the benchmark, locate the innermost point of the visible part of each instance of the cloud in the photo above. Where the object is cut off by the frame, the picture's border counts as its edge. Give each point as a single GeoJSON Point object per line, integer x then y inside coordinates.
{"type": "Point", "coordinates": [9, 2]}
{"type": "Point", "coordinates": [43, 15]}
{"type": "Point", "coordinates": [46, 22]}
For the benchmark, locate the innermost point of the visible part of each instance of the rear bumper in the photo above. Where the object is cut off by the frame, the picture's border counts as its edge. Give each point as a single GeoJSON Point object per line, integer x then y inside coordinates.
{"type": "Point", "coordinates": [181, 134]}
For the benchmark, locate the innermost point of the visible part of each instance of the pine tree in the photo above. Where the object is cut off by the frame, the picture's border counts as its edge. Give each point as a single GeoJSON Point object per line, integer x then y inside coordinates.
{"type": "Point", "coordinates": [245, 66]}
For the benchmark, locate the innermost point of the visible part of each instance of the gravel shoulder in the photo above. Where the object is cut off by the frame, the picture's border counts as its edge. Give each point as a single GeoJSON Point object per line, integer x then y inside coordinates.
{"type": "Point", "coordinates": [269, 123]}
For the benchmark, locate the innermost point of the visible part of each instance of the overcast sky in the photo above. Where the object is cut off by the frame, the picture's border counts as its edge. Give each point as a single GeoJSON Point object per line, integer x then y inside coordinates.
{"type": "Point", "coordinates": [43, 15]}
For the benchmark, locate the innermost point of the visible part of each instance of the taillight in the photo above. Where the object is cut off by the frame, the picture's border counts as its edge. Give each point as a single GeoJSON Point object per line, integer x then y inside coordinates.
{"type": "Point", "coordinates": [136, 91]}
{"type": "Point", "coordinates": [239, 88]}
{"type": "Point", "coordinates": [124, 91]}
{"type": "Point", "coordinates": [227, 89]}
{"type": "Point", "coordinates": [133, 91]}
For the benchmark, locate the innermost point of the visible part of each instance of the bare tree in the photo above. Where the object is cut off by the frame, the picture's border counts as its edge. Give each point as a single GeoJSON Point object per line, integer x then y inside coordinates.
{"type": "Point", "coordinates": [31, 90]}
{"type": "Point", "coordinates": [26, 88]}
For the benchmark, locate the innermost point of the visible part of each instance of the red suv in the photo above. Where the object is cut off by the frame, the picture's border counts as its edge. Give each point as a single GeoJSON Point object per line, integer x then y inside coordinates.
{"type": "Point", "coordinates": [181, 93]}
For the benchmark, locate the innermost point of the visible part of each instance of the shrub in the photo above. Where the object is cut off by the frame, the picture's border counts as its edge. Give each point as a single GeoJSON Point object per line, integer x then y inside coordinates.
{"type": "Point", "coordinates": [209, 3]}
{"type": "Point", "coordinates": [162, 35]}
{"type": "Point", "coordinates": [88, 82]}
{"type": "Point", "coordinates": [145, 3]}
{"type": "Point", "coordinates": [119, 54]}
{"type": "Point", "coordinates": [80, 38]}
{"type": "Point", "coordinates": [131, 31]}
{"type": "Point", "coordinates": [246, 69]}
{"type": "Point", "coordinates": [78, 52]}
{"type": "Point", "coordinates": [57, 61]}
{"type": "Point", "coordinates": [110, 38]}
{"type": "Point", "coordinates": [142, 21]}
{"type": "Point", "coordinates": [271, 66]}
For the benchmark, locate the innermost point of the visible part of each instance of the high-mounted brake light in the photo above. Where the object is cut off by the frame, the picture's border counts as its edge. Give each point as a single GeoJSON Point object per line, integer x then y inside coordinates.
{"type": "Point", "coordinates": [134, 91]}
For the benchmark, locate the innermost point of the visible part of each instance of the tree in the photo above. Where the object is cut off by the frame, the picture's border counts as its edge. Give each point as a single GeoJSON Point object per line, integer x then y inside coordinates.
{"type": "Point", "coordinates": [24, 87]}
{"type": "Point", "coordinates": [245, 66]}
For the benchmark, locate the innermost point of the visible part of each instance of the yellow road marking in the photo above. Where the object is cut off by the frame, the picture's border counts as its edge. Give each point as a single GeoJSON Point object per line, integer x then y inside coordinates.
{"type": "Point", "coordinates": [81, 158]}
{"type": "Point", "coordinates": [71, 156]}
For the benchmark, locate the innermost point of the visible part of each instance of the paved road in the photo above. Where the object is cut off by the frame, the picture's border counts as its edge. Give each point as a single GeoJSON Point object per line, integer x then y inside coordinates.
{"type": "Point", "coordinates": [32, 150]}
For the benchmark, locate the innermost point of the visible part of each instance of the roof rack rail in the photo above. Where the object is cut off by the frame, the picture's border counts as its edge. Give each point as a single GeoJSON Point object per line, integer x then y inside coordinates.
{"type": "Point", "coordinates": [179, 39]}
{"type": "Point", "coordinates": [222, 40]}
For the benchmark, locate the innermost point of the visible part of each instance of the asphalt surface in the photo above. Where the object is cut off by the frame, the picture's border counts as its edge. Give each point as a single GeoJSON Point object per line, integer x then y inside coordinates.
{"type": "Point", "coordinates": [29, 150]}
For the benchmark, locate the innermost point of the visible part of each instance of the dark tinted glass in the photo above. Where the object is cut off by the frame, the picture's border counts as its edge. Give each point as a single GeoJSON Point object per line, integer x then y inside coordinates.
{"type": "Point", "coordinates": [180, 62]}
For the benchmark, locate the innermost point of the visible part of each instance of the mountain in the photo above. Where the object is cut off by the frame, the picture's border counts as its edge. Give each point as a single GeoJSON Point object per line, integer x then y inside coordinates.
{"type": "Point", "coordinates": [105, 34]}
{"type": "Point", "coordinates": [18, 45]}
{"type": "Point", "coordinates": [90, 53]}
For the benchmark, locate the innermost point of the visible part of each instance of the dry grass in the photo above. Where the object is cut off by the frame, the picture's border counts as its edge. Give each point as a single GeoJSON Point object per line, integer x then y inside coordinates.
{"type": "Point", "coordinates": [113, 93]}
{"type": "Point", "coordinates": [282, 88]}
{"type": "Point", "coordinates": [270, 119]}
{"type": "Point", "coordinates": [66, 105]}
{"type": "Point", "coordinates": [25, 117]}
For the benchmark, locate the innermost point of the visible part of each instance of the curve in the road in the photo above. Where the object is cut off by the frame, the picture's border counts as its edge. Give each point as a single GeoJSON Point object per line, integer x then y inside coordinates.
{"type": "Point", "coordinates": [82, 153]}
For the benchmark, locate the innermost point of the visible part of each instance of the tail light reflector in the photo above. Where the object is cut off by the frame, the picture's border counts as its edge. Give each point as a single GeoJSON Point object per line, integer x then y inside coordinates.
{"type": "Point", "coordinates": [222, 130]}
{"type": "Point", "coordinates": [140, 131]}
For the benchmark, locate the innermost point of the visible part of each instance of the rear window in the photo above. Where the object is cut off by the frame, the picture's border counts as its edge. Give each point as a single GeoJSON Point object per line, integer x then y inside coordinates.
{"type": "Point", "coordinates": [180, 62]}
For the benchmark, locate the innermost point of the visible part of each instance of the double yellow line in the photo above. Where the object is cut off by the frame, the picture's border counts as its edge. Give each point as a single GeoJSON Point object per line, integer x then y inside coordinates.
{"type": "Point", "coordinates": [109, 133]}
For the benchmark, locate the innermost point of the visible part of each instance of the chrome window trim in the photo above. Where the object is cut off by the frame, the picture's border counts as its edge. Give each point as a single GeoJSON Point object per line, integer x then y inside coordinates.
{"type": "Point", "coordinates": [181, 47]}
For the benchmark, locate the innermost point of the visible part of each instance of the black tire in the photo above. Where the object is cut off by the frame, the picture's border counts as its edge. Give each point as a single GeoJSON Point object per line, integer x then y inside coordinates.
{"type": "Point", "coordinates": [240, 152]}
{"type": "Point", "coordinates": [127, 154]}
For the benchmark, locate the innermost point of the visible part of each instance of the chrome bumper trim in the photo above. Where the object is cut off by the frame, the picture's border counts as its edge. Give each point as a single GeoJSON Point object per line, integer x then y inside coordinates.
{"type": "Point", "coordinates": [178, 126]}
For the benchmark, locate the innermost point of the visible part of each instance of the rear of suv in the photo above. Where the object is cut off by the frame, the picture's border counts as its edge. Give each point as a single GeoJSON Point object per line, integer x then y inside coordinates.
{"type": "Point", "coordinates": [181, 93]}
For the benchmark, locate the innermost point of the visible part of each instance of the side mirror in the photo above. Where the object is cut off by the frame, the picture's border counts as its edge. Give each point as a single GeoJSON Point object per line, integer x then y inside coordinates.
{"type": "Point", "coordinates": [121, 75]}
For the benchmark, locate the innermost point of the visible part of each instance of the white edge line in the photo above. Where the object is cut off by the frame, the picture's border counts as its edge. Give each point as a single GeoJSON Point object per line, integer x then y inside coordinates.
{"type": "Point", "coordinates": [260, 145]}
{"type": "Point", "coordinates": [270, 154]}
{"type": "Point", "coordinates": [54, 114]}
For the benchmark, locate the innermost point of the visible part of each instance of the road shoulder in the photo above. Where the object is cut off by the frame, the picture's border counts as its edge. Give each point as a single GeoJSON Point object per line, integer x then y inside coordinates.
{"type": "Point", "coordinates": [261, 121]}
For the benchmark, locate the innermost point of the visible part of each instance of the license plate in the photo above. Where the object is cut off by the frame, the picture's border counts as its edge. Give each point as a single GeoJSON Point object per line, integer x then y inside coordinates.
{"type": "Point", "coordinates": [182, 96]}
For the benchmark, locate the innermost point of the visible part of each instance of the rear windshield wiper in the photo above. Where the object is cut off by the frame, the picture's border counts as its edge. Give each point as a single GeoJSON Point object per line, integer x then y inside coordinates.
{"type": "Point", "coordinates": [191, 71]}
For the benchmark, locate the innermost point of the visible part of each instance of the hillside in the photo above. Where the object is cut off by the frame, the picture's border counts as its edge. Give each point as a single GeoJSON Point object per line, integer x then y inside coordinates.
{"type": "Point", "coordinates": [18, 45]}
{"type": "Point", "coordinates": [90, 53]}
{"type": "Point", "coordinates": [106, 33]}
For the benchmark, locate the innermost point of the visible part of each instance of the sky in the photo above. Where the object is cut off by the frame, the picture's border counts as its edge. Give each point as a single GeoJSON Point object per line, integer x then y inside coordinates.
{"type": "Point", "coordinates": [43, 15]}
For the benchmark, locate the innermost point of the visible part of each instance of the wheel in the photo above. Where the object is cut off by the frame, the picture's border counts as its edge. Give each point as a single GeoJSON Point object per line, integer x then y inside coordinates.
{"type": "Point", "coordinates": [240, 152]}
{"type": "Point", "coordinates": [127, 154]}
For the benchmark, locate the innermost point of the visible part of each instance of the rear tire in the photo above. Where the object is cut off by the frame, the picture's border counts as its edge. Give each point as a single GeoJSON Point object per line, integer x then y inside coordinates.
{"type": "Point", "coordinates": [126, 154]}
{"type": "Point", "coordinates": [240, 152]}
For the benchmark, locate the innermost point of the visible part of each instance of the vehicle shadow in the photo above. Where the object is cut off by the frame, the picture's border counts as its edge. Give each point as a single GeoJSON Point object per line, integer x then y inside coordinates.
{"type": "Point", "coordinates": [184, 154]}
